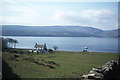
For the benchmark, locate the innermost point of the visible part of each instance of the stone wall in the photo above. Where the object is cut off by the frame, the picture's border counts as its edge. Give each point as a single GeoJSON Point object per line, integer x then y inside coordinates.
{"type": "Point", "coordinates": [104, 72]}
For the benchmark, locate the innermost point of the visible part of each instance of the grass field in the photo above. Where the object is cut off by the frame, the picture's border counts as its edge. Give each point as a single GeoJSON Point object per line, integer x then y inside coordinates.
{"type": "Point", "coordinates": [59, 64]}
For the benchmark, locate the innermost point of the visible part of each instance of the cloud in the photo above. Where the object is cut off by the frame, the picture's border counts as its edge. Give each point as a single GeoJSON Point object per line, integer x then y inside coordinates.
{"type": "Point", "coordinates": [87, 17]}
{"type": "Point", "coordinates": [24, 11]}
{"type": "Point", "coordinates": [28, 13]}
{"type": "Point", "coordinates": [18, 13]}
{"type": "Point", "coordinates": [21, 15]}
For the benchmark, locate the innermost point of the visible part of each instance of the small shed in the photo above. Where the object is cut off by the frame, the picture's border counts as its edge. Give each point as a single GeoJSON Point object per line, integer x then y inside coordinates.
{"type": "Point", "coordinates": [85, 49]}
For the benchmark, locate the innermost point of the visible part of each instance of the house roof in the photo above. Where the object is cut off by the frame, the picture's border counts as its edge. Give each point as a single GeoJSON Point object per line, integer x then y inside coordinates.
{"type": "Point", "coordinates": [39, 46]}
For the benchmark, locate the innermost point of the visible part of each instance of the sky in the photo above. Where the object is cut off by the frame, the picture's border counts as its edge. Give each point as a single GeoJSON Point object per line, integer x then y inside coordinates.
{"type": "Point", "coordinates": [102, 15]}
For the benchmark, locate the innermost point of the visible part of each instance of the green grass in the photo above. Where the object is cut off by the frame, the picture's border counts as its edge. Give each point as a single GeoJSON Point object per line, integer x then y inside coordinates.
{"type": "Point", "coordinates": [72, 64]}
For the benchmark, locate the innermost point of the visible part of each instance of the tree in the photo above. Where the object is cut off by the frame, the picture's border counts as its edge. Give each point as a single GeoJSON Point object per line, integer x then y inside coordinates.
{"type": "Point", "coordinates": [3, 44]}
{"type": "Point", "coordinates": [45, 47]}
{"type": "Point", "coordinates": [11, 42]}
{"type": "Point", "coordinates": [15, 42]}
{"type": "Point", "coordinates": [55, 47]}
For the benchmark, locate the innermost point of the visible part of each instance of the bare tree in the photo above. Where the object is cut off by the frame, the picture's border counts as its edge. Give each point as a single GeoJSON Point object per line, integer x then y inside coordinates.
{"type": "Point", "coordinates": [55, 47]}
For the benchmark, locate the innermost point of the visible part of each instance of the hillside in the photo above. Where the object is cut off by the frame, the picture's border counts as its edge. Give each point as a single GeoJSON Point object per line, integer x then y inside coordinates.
{"type": "Point", "coordinates": [111, 33]}
{"type": "Point", "coordinates": [56, 31]}
{"type": "Point", "coordinates": [59, 64]}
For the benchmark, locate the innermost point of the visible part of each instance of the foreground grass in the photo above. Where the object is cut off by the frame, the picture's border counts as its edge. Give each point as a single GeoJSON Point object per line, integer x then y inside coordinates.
{"type": "Point", "coordinates": [71, 64]}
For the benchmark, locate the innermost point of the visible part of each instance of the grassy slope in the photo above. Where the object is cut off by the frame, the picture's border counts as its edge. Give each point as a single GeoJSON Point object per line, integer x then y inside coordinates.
{"type": "Point", "coordinates": [72, 64]}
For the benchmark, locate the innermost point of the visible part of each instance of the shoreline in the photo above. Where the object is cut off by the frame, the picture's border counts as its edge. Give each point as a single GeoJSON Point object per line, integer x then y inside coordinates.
{"type": "Point", "coordinates": [67, 51]}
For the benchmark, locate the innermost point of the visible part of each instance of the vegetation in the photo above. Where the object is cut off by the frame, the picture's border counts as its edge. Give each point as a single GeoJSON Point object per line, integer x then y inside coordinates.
{"type": "Point", "coordinates": [61, 64]}
{"type": "Point", "coordinates": [11, 43]}
{"type": "Point", "coordinates": [20, 63]}
{"type": "Point", "coordinates": [55, 47]}
{"type": "Point", "coordinates": [7, 43]}
{"type": "Point", "coordinates": [3, 44]}
{"type": "Point", "coordinates": [50, 50]}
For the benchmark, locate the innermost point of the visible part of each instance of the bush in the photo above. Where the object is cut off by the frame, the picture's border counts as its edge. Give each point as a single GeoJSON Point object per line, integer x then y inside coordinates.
{"type": "Point", "coordinates": [15, 52]}
{"type": "Point", "coordinates": [21, 52]}
{"type": "Point", "coordinates": [50, 50]}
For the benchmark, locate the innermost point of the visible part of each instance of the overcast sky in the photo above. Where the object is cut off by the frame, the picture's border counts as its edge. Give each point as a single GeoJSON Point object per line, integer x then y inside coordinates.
{"type": "Point", "coordinates": [102, 15]}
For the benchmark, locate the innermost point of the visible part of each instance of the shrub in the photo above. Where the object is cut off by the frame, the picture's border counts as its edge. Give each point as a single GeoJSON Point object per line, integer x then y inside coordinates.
{"type": "Point", "coordinates": [14, 51]}
{"type": "Point", "coordinates": [21, 52]}
{"type": "Point", "coordinates": [50, 50]}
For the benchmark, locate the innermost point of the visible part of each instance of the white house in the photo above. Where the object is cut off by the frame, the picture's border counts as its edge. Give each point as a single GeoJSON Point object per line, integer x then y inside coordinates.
{"type": "Point", "coordinates": [39, 48]}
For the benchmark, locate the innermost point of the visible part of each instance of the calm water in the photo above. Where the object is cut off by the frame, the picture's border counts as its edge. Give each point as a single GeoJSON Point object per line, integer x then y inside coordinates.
{"type": "Point", "coordinates": [94, 44]}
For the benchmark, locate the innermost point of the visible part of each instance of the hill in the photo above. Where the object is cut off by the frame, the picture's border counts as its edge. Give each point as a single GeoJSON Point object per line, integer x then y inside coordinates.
{"type": "Point", "coordinates": [56, 31]}
{"type": "Point", "coordinates": [60, 64]}
{"type": "Point", "coordinates": [110, 33]}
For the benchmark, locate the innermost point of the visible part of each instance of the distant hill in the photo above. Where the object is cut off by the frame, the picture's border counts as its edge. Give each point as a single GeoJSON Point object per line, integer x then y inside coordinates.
{"type": "Point", "coordinates": [56, 31]}
{"type": "Point", "coordinates": [110, 33]}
